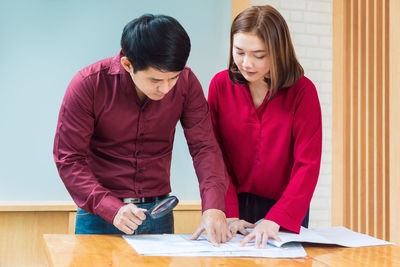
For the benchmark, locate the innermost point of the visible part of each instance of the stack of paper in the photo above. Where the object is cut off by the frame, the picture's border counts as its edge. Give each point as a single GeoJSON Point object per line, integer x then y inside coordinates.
{"type": "Point", "coordinates": [338, 235]}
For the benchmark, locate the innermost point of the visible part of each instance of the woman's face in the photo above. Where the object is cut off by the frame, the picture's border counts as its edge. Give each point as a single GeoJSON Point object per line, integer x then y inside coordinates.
{"type": "Point", "coordinates": [250, 56]}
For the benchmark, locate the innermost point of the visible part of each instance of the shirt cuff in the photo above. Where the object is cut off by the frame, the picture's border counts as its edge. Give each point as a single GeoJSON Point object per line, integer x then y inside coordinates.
{"type": "Point", "coordinates": [232, 206]}
{"type": "Point", "coordinates": [108, 208]}
{"type": "Point", "coordinates": [232, 211]}
{"type": "Point", "coordinates": [283, 219]}
{"type": "Point", "coordinates": [213, 199]}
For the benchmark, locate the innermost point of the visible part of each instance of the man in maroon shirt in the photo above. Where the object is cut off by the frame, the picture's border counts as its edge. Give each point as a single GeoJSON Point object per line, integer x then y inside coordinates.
{"type": "Point", "coordinates": [116, 128]}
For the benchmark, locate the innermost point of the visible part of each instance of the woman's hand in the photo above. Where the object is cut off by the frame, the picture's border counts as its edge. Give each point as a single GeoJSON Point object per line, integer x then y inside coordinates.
{"type": "Point", "coordinates": [264, 230]}
{"type": "Point", "coordinates": [235, 225]}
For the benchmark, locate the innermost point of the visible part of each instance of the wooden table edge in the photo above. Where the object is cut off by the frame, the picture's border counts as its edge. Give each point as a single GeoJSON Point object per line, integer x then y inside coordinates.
{"type": "Point", "coordinates": [47, 251]}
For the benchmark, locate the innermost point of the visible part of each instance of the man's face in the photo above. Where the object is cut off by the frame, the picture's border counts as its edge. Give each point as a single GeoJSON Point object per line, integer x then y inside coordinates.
{"type": "Point", "coordinates": [153, 83]}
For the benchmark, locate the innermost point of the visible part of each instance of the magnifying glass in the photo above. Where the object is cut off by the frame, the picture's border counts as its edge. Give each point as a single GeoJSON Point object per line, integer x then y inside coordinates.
{"type": "Point", "coordinates": [163, 207]}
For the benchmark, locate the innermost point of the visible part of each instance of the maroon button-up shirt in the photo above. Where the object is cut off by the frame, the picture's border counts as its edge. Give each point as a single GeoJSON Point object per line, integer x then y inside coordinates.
{"type": "Point", "coordinates": [109, 145]}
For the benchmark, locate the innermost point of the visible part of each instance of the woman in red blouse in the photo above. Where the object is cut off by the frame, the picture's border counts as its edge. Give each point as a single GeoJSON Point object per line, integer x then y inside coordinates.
{"type": "Point", "coordinates": [267, 118]}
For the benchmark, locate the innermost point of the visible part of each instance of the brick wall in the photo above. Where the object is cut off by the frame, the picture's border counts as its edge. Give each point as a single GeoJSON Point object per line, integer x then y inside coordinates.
{"type": "Point", "coordinates": [310, 24]}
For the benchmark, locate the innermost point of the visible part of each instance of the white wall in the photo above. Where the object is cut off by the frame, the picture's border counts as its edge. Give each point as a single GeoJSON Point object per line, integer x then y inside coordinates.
{"type": "Point", "coordinates": [310, 24]}
{"type": "Point", "coordinates": [45, 43]}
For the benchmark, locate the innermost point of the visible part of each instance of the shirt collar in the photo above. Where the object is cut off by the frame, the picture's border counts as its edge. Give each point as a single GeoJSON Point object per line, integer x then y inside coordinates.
{"type": "Point", "coordinates": [116, 67]}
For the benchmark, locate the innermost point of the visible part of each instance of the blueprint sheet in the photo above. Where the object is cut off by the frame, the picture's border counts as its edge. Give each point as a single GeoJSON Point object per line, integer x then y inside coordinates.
{"type": "Point", "coordinates": [181, 245]}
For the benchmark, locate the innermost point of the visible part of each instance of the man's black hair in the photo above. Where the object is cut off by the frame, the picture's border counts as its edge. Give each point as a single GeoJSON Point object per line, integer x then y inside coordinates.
{"type": "Point", "coordinates": [157, 41]}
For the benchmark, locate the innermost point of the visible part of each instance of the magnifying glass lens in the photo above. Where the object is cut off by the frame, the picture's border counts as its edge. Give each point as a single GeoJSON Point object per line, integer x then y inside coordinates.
{"type": "Point", "coordinates": [163, 207]}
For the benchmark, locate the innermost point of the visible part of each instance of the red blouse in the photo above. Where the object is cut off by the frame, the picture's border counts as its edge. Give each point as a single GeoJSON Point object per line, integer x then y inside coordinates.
{"type": "Point", "coordinates": [273, 151]}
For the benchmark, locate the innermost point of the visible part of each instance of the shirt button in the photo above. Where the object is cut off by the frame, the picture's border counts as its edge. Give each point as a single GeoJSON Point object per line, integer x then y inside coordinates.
{"type": "Point", "coordinates": [140, 170]}
{"type": "Point", "coordinates": [138, 152]}
{"type": "Point", "coordinates": [142, 109]}
{"type": "Point", "coordinates": [141, 134]}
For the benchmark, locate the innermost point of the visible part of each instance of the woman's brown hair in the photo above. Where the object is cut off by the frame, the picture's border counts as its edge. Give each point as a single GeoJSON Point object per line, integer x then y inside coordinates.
{"type": "Point", "coordinates": [269, 25]}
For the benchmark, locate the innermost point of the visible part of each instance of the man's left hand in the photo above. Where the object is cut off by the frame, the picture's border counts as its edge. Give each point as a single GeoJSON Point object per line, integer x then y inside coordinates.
{"type": "Point", "coordinates": [214, 221]}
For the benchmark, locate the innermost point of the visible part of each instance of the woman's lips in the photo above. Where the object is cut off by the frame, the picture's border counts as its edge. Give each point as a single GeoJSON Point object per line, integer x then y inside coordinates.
{"type": "Point", "coordinates": [249, 73]}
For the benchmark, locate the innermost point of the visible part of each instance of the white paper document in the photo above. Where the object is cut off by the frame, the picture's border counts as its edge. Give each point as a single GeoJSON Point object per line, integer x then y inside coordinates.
{"type": "Point", "coordinates": [181, 245]}
{"type": "Point", "coordinates": [338, 235]}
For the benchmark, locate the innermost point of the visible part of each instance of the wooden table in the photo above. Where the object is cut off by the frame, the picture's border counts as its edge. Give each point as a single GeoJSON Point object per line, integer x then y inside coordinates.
{"type": "Point", "coordinates": [107, 250]}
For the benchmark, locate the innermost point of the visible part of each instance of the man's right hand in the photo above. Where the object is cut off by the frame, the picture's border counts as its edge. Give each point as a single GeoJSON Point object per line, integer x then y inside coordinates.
{"type": "Point", "coordinates": [128, 218]}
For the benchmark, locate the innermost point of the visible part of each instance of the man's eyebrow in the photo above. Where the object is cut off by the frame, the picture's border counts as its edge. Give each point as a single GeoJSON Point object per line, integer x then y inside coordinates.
{"type": "Point", "coordinates": [255, 51]}
{"type": "Point", "coordinates": [157, 80]}
{"type": "Point", "coordinates": [176, 76]}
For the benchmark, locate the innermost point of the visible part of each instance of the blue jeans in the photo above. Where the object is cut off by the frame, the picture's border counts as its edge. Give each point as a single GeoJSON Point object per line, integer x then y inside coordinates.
{"type": "Point", "coordinates": [88, 223]}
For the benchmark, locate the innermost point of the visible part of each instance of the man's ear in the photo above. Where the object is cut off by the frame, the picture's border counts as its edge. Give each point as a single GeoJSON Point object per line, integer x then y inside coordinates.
{"type": "Point", "coordinates": [126, 64]}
